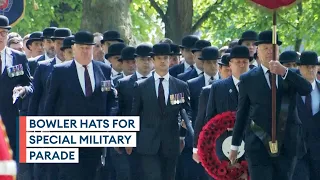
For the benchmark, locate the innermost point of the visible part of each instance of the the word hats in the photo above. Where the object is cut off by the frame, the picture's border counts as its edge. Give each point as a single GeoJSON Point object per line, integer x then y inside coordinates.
{"type": "Point", "coordinates": [115, 50]}
{"type": "Point", "coordinates": [209, 53]}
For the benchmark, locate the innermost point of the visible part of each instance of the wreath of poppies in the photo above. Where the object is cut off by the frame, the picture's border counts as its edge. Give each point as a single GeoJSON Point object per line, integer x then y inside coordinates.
{"type": "Point", "coordinates": [219, 170]}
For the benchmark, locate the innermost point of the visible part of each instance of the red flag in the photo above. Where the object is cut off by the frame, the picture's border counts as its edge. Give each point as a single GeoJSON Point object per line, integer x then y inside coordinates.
{"type": "Point", "coordinates": [274, 4]}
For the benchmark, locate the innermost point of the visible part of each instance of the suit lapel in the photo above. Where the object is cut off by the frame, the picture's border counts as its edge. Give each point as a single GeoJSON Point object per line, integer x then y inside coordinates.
{"type": "Point", "coordinates": [232, 90]}
{"type": "Point", "coordinates": [98, 76]}
{"type": "Point", "coordinates": [75, 79]}
{"type": "Point", "coordinates": [317, 87]}
{"type": "Point", "coordinates": [134, 77]}
{"type": "Point", "coordinates": [151, 92]}
{"type": "Point", "coordinates": [172, 90]}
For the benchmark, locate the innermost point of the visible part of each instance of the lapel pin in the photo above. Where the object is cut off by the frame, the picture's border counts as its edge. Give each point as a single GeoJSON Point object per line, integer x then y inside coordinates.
{"type": "Point", "coordinates": [230, 90]}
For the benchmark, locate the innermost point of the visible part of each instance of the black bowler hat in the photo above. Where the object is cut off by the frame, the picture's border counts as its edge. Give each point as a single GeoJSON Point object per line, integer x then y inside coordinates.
{"type": "Point", "coordinates": [199, 45]}
{"type": "Point", "coordinates": [143, 50]}
{"type": "Point", "coordinates": [240, 52]}
{"type": "Point", "coordinates": [288, 56]}
{"type": "Point", "coordinates": [225, 60]}
{"type": "Point", "coordinates": [265, 37]}
{"type": "Point", "coordinates": [83, 37]}
{"type": "Point", "coordinates": [67, 43]}
{"type": "Point", "coordinates": [127, 53]}
{"type": "Point", "coordinates": [161, 49]}
{"type": "Point", "coordinates": [209, 53]}
{"type": "Point", "coordinates": [308, 58]}
{"type": "Point", "coordinates": [61, 33]}
{"type": "Point", "coordinates": [248, 36]}
{"type": "Point", "coordinates": [4, 22]}
{"type": "Point", "coordinates": [35, 36]}
{"type": "Point", "coordinates": [189, 41]}
{"type": "Point", "coordinates": [111, 36]}
{"type": "Point", "coordinates": [48, 32]}
{"type": "Point", "coordinates": [175, 50]}
{"type": "Point", "coordinates": [228, 50]}
{"type": "Point", "coordinates": [115, 50]}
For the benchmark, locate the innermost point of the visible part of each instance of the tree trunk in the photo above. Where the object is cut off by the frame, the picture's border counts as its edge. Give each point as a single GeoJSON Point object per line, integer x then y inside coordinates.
{"type": "Point", "coordinates": [179, 19]}
{"type": "Point", "coordinates": [103, 15]}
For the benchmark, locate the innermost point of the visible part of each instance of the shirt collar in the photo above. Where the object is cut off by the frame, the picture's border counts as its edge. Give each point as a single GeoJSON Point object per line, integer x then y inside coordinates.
{"type": "Point", "coordinates": [58, 60]}
{"type": "Point", "coordinates": [264, 69]}
{"type": "Point", "coordinates": [139, 76]}
{"type": "Point", "coordinates": [114, 72]}
{"type": "Point", "coordinates": [198, 70]}
{"type": "Point", "coordinates": [81, 66]}
{"type": "Point", "coordinates": [235, 80]}
{"type": "Point", "coordinates": [313, 85]}
{"type": "Point", "coordinates": [157, 76]}
{"type": "Point", "coordinates": [186, 65]}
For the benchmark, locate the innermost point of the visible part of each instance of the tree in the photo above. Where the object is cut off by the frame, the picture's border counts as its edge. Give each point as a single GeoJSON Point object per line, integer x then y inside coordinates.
{"type": "Point", "coordinates": [102, 15]}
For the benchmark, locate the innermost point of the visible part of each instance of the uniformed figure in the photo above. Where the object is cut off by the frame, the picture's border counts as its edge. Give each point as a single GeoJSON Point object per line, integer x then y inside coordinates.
{"type": "Point", "coordinates": [254, 116]}
{"type": "Point", "coordinates": [175, 56]}
{"type": "Point", "coordinates": [248, 38]}
{"type": "Point", "coordinates": [127, 166]}
{"type": "Point", "coordinates": [188, 43]}
{"type": "Point", "coordinates": [289, 59]}
{"type": "Point", "coordinates": [34, 44]}
{"type": "Point", "coordinates": [15, 84]}
{"type": "Point", "coordinates": [158, 101]}
{"type": "Point", "coordinates": [66, 48]}
{"type": "Point", "coordinates": [197, 69]}
{"type": "Point", "coordinates": [98, 53]}
{"type": "Point", "coordinates": [109, 38]}
{"type": "Point", "coordinates": [308, 167]}
{"type": "Point", "coordinates": [224, 68]}
{"type": "Point", "coordinates": [87, 91]}
{"type": "Point", "coordinates": [113, 56]}
{"type": "Point", "coordinates": [128, 63]}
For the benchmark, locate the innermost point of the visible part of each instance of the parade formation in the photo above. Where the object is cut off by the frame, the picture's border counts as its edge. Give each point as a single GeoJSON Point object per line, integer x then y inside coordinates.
{"type": "Point", "coordinates": [245, 111]}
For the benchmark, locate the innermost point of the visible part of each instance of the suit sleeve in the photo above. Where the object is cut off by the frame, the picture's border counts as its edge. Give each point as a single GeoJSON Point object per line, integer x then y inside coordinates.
{"type": "Point", "coordinates": [53, 93]}
{"type": "Point", "coordinates": [200, 120]}
{"type": "Point", "coordinates": [136, 103]}
{"type": "Point", "coordinates": [120, 99]}
{"type": "Point", "coordinates": [26, 78]}
{"type": "Point", "coordinates": [211, 107]}
{"type": "Point", "coordinates": [37, 93]}
{"type": "Point", "coordinates": [242, 113]}
{"type": "Point", "coordinates": [112, 97]}
{"type": "Point", "coordinates": [186, 106]}
{"type": "Point", "coordinates": [302, 86]}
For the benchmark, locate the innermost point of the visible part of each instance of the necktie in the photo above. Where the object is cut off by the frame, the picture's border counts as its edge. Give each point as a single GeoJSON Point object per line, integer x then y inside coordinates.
{"type": "Point", "coordinates": [161, 98]}
{"type": "Point", "coordinates": [211, 80]}
{"type": "Point", "coordinates": [143, 77]}
{"type": "Point", "coordinates": [308, 103]}
{"type": "Point", "coordinates": [270, 79]}
{"type": "Point", "coordinates": [88, 86]}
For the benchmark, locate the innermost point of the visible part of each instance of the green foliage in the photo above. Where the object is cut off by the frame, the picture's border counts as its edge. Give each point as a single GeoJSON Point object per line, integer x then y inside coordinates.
{"type": "Point", "coordinates": [66, 13]}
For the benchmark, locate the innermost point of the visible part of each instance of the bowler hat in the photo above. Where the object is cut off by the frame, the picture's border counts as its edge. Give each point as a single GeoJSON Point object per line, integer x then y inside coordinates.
{"type": "Point", "coordinates": [248, 36]}
{"type": "Point", "coordinates": [83, 37]}
{"type": "Point", "coordinates": [199, 45]}
{"type": "Point", "coordinates": [127, 53]}
{"type": "Point", "coordinates": [240, 52]}
{"type": "Point", "coordinates": [189, 41]}
{"type": "Point", "coordinates": [35, 36]}
{"type": "Point", "coordinates": [161, 49]}
{"type": "Point", "coordinates": [48, 32]}
{"type": "Point", "coordinates": [265, 37]}
{"type": "Point", "coordinates": [143, 50]}
{"type": "Point", "coordinates": [288, 56]}
{"type": "Point", "coordinates": [308, 58]}
{"type": "Point", "coordinates": [225, 60]}
{"type": "Point", "coordinates": [61, 33]}
{"type": "Point", "coordinates": [4, 22]}
{"type": "Point", "coordinates": [175, 50]}
{"type": "Point", "coordinates": [209, 53]}
{"type": "Point", "coordinates": [111, 36]}
{"type": "Point", "coordinates": [67, 43]}
{"type": "Point", "coordinates": [115, 50]}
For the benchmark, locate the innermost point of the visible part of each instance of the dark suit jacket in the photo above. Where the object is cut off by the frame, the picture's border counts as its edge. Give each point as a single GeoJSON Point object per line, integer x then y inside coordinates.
{"type": "Point", "coordinates": [311, 126]}
{"type": "Point", "coordinates": [125, 90]}
{"type": "Point", "coordinates": [188, 75]}
{"type": "Point", "coordinates": [116, 79]}
{"type": "Point", "coordinates": [33, 63]}
{"type": "Point", "coordinates": [37, 100]}
{"type": "Point", "coordinates": [9, 111]}
{"type": "Point", "coordinates": [176, 69]}
{"type": "Point", "coordinates": [255, 105]}
{"type": "Point", "coordinates": [195, 86]}
{"type": "Point", "coordinates": [156, 127]}
{"type": "Point", "coordinates": [66, 98]}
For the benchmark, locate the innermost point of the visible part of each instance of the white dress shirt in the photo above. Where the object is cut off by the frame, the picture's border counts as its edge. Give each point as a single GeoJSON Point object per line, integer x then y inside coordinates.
{"type": "Point", "coordinates": [107, 62]}
{"type": "Point", "coordinates": [114, 73]}
{"type": "Point", "coordinates": [315, 98]}
{"type": "Point", "coordinates": [186, 66]}
{"type": "Point", "coordinates": [165, 84]}
{"type": "Point", "coordinates": [139, 76]}
{"type": "Point", "coordinates": [236, 82]}
{"type": "Point", "coordinates": [58, 61]}
{"type": "Point", "coordinates": [6, 58]}
{"type": "Point", "coordinates": [207, 78]}
{"type": "Point", "coordinates": [197, 69]}
{"type": "Point", "coordinates": [80, 70]}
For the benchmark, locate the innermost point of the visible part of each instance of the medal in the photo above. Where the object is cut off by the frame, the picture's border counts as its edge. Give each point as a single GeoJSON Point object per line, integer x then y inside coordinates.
{"type": "Point", "coordinates": [21, 72]}
{"type": "Point", "coordinates": [106, 85]}
{"type": "Point", "coordinates": [175, 99]}
{"type": "Point", "coordinates": [179, 98]}
{"type": "Point", "coordinates": [172, 99]}
{"type": "Point", "coordinates": [182, 98]}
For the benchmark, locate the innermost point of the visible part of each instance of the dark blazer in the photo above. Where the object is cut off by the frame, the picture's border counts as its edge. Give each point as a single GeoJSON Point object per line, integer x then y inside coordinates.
{"type": "Point", "coordinates": [255, 105]}
{"type": "Point", "coordinates": [188, 75]}
{"type": "Point", "coordinates": [9, 111]}
{"type": "Point", "coordinates": [158, 127]}
{"type": "Point", "coordinates": [195, 86]}
{"type": "Point", "coordinates": [311, 126]}
{"type": "Point", "coordinates": [125, 90]}
{"type": "Point", "coordinates": [176, 69]}
{"type": "Point", "coordinates": [66, 98]}
{"type": "Point", "coordinates": [37, 100]}
{"type": "Point", "coordinates": [33, 63]}
{"type": "Point", "coordinates": [116, 79]}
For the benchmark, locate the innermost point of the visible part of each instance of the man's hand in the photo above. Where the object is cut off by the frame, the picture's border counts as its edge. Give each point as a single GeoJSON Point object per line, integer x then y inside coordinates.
{"type": "Point", "coordinates": [183, 124]}
{"type": "Point", "coordinates": [21, 91]}
{"type": "Point", "coordinates": [195, 157]}
{"type": "Point", "coordinates": [182, 144]}
{"type": "Point", "coordinates": [233, 156]}
{"type": "Point", "coordinates": [276, 67]}
{"type": "Point", "coordinates": [128, 150]}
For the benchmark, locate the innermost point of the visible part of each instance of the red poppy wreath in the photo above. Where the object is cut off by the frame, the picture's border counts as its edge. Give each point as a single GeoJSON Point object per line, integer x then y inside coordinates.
{"type": "Point", "coordinates": [219, 170]}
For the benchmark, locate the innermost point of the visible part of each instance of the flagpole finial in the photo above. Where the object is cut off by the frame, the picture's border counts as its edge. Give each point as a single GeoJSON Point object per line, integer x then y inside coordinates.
{"type": "Point", "coordinates": [35, 5]}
